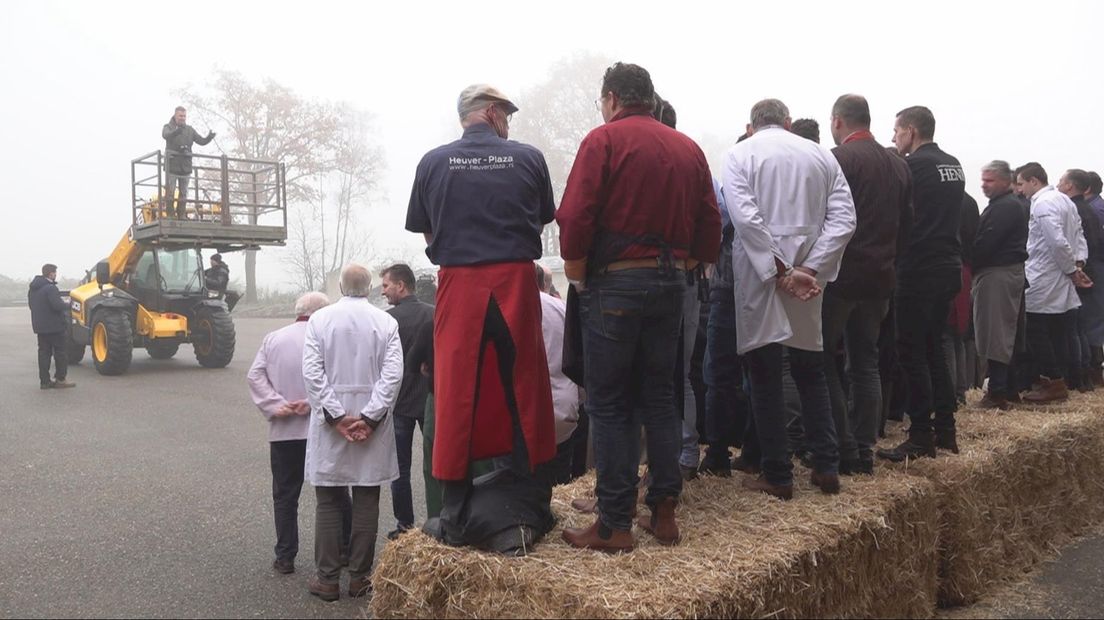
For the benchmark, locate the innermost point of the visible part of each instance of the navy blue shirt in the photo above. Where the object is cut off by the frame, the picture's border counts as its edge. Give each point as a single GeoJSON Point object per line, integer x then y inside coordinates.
{"type": "Point", "coordinates": [483, 199]}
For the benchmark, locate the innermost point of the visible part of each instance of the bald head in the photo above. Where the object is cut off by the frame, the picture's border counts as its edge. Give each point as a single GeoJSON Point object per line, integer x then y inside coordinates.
{"type": "Point", "coordinates": [356, 280]}
{"type": "Point", "coordinates": [310, 303]}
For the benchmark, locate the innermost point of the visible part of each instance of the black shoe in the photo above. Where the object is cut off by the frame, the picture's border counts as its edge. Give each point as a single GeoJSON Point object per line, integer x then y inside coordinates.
{"type": "Point", "coordinates": [847, 467]}
{"type": "Point", "coordinates": [398, 531]}
{"type": "Point", "coordinates": [946, 440]}
{"type": "Point", "coordinates": [46, 386]}
{"type": "Point", "coordinates": [284, 567]}
{"type": "Point", "coordinates": [863, 467]}
{"type": "Point", "coordinates": [721, 468]}
{"type": "Point", "coordinates": [917, 445]}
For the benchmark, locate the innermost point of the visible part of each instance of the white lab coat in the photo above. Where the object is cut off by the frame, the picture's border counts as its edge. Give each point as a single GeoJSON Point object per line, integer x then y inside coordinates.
{"type": "Point", "coordinates": [788, 198]}
{"type": "Point", "coordinates": [565, 394]}
{"type": "Point", "coordinates": [1055, 242]}
{"type": "Point", "coordinates": [352, 365]}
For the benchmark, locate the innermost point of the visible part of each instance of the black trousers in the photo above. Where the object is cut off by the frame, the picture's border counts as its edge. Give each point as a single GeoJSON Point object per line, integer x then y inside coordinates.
{"type": "Point", "coordinates": [1048, 338]}
{"type": "Point", "coordinates": [922, 306]}
{"type": "Point", "coordinates": [52, 346]}
{"type": "Point", "coordinates": [287, 459]}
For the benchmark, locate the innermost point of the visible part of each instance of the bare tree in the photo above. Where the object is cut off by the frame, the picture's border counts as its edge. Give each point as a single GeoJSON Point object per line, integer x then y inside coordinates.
{"type": "Point", "coordinates": [271, 122]}
{"type": "Point", "coordinates": [556, 115]}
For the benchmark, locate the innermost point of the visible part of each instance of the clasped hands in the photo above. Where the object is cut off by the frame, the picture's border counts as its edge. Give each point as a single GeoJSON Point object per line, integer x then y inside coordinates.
{"type": "Point", "coordinates": [800, 283]}
{"type": "Point", "coordinates": [1081, 279]}
{"type": "Point", "coordinates": [293, 408]}
{"type": "Point", "coordinates": [353, 429]}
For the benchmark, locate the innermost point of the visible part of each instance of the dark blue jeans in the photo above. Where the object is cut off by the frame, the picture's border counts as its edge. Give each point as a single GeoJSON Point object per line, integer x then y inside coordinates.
{"type": "Point", "coordinates": [724, 423]}
{"type": "Point", "coordinates": [402, 499]}
{"type": "Point", "coordinates": [631, 321]}
{"type": "Point", "coordinates": [857, 324]}
{"type": "Point", "coordinates": [807, 370]}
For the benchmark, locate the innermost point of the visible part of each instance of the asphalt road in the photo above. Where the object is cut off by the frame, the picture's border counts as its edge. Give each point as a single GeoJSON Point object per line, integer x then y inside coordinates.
{"type": "Point", "coordinates": [147, 494]}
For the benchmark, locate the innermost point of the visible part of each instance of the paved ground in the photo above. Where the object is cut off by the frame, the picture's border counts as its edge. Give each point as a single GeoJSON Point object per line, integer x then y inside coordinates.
{"type": "Point", "coordinates": [144, 495]}
{"type": "Point", "coordinates": [149, 495]}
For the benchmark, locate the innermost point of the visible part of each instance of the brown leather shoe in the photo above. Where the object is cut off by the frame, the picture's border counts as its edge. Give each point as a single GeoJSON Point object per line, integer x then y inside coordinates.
{"type": "Point", "coordinates": [661, 523]}
{"type": "Point", "coordinates": [328, 592]}
{"type": "Point", "coordinates": [829, 484]}
{"type": "Point", "coordinates": [283, 566]}
{"type": "Point", "coordinates": [585, 505]}
{"type": "Point", "coordinates": [615, 541]}
{"type": "Point", "coordinates": [360, 587]}
{"type": "Point", "coordinates": [784, 492]}
{"type": "Point", "coordinates": [1047, 391]}
{"type": "Point", "coordinates": [994, 401]}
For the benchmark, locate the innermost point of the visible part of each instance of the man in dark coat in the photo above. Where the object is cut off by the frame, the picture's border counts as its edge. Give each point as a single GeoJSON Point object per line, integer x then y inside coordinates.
{"type": "Point", "coordinates": [855, 305]}
{"type": "Point", "coordinates": [49, 318]}
{"type": "Point", "coordinates": [179, 137]}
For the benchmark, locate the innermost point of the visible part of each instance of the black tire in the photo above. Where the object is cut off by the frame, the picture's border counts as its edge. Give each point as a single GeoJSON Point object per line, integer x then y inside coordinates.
{"type": "Point", "coordinates": [112, 356]}
{"type": "Point", "coordinates": [160, 350]}
{"type": "Point", "coordinates": [75, 352]}
{"type": "Point", "coordinates": [213, 337]}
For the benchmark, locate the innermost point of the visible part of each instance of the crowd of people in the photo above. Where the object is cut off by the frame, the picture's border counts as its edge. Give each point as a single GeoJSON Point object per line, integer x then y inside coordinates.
{"type": "Point", "coordinates": [786, 305]}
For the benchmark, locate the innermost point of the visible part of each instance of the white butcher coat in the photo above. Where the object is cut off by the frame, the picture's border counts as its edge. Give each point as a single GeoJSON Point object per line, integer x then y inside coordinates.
{"type": "Point", "coordinates": [788, 198]}
{"type": "Point", "coordinates": [1055, 242]}
{"type": "Point", "coordinates": [352, 365]}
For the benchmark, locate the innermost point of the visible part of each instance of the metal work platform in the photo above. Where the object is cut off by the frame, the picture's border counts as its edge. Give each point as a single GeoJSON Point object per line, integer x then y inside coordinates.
{"type": "Point", "coordinates": [230, 203]}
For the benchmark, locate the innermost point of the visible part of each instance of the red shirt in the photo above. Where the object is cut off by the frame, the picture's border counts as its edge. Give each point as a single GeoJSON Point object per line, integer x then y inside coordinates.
{"type": "Point", "coordinates": [635, 176]}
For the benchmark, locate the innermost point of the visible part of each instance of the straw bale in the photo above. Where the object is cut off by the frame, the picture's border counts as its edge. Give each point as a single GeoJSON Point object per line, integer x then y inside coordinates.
{"type": "Point", "coordinates": [870, 551]}
{"type": "Point", "coordinates": [1026, 482]}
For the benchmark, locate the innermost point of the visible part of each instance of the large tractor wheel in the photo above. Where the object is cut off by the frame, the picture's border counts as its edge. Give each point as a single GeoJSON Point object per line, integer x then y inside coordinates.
{"type": "Point", "coordinates": [74, 351]}
{"type": "Point", "coordinates": [160, 350]}
{"type": "Point", "coordinates": [112, 342]}
{"type": "Point", "coordinates": [213, 337]}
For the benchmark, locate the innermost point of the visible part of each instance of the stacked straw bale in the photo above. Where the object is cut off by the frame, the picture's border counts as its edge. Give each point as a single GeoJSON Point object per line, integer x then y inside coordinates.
{"type": "Point", "coordinates": [870, 551]}
{"type": "Point", "coordinates": [940, 530]}
{"type": "Point", "coordinates": [1026, 482]}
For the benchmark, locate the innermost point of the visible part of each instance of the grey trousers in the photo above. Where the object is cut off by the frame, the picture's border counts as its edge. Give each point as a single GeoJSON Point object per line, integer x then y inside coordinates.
{"type": "Point", "coordinates": [174, 183]}
{"type": "Point", "coordinates": [327, 532]}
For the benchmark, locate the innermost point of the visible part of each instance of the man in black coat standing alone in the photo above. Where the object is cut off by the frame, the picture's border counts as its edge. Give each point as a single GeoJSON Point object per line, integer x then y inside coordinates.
{"type": "Point", "coordinates": [49, 318]}
{"type": "Point", "coordinates": [179, 137]}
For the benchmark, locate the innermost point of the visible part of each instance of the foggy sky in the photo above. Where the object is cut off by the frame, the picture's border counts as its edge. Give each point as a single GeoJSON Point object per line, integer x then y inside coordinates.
{"type": "Point", "coordinates": [87, 86]}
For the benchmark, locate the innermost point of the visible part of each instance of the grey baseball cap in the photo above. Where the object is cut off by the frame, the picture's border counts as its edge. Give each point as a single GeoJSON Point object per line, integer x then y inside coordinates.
{"type": "Point", "coordinates": [475, 96]}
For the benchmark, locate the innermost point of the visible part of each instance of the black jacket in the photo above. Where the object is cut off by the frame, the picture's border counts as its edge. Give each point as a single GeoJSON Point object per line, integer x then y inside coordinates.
{"type": "Point", "coordinates": [49, 312]}
{"type": "Point", "coordinates": [178, 146]}
{"type": "Point", "coordinates": [1091, 227]}
{"type": "Point", "coordinates": [217, 278]}
{"type": "Point", "coordinates": [938, 185]}
{"type": "Point", "coordinates": [1002, 234]}
{"type": "Point", "coordinates": [412, 316]}
{"type": "Point", "coordinates": [881, 185]}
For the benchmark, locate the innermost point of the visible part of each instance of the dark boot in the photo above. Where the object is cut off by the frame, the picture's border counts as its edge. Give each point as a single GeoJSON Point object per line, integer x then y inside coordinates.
{"type": "Point", "coordinates": [917, 445]}
{"type": "Point", "coordinates": [328, 592]}
{"type": "Point", "coordinates": [1047, 391]}
{"type": "Point", "coordinates": [946, 439]}
{"type": "Point", "coordinates": [599, 538]}
{"type": "Point", "coordinates": [829, 484]}
{"type": "Point", "coordinates": [1086, 385]}
{"type": "Point", "coordinates": [777, 490]}
{"type": "Point", "coordinates": [994, 401]}
{"type": "Point", "coordinates": [585, 505]}
{"type": "Point", "coordinates": [1097, 375]}
{"type": "Point", "coordinates": [661, 523]}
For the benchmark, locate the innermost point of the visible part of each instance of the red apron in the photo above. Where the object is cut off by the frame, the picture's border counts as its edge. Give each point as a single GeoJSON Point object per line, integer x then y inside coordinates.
{"type": "Point", "coordinates": [471, 415]}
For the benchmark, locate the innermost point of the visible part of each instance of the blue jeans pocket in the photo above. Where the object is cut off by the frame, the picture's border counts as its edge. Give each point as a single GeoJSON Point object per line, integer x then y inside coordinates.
{"type": "Point", "coordinates": [617, 314]}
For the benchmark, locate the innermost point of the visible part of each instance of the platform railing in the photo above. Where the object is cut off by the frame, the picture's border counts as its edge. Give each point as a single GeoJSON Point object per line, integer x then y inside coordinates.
{"type": "Point", "coordinates": [221, 189]}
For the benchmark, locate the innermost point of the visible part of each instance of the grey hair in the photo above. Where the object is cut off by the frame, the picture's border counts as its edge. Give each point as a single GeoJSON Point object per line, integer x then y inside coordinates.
{"type": "Point", "coordinates": [310, 303]}
{"type": "Point", "coordinates": [768, 112]}
{"type": "Point", "coordinates": [356, 280]}
{"type": "Point", "coordinates": [1000, 168]}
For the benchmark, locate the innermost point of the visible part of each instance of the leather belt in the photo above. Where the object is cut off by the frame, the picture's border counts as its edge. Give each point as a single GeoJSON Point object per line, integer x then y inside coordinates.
{"type": "Point", "coordinates": [643, 263]}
